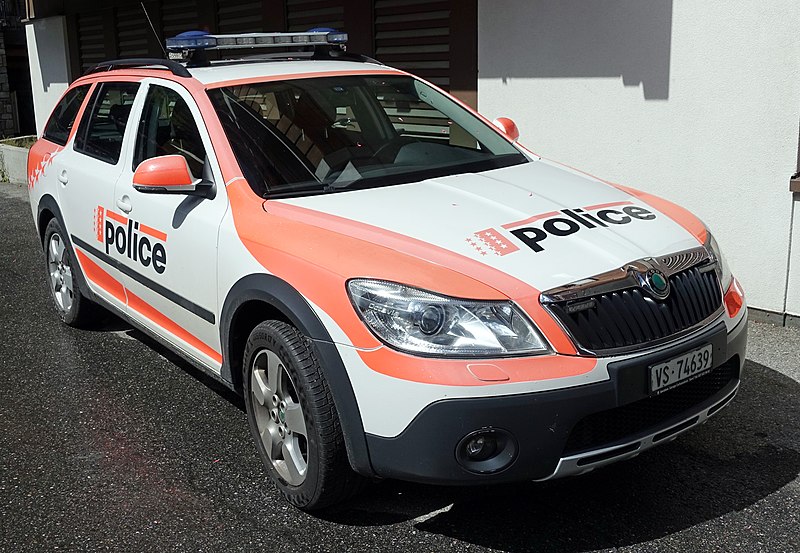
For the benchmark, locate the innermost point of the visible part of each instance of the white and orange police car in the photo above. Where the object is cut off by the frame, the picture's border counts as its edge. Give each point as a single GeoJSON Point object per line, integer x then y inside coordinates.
{"type": "Point", "coordinates": [395, 285]}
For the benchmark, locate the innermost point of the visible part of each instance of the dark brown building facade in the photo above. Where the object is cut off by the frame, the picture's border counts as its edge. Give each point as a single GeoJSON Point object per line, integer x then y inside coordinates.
{"type": "Point", "coordinates": [16, 102]}
{"type": "Point", "coordinates": [435, 40]}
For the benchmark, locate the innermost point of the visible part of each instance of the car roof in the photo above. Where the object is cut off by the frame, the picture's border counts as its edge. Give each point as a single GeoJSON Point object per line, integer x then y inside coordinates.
{"type": "Point", "coordinates": [227, 71]}
{"type": "Point", "coordinates": [238, 71]}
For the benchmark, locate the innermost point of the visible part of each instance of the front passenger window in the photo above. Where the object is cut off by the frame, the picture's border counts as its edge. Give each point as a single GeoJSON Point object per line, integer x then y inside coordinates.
{"type": "Point", "coordinates": [100, 135]}
{"type": "Point", "coordinates": [167, 127]}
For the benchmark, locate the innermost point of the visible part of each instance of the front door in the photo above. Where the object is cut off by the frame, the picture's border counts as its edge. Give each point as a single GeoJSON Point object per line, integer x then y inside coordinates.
{"type": "Point", "coordinates": [168, 242]}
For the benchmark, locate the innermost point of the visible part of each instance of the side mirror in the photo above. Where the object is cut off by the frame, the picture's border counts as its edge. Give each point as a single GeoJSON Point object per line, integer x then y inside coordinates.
{"type": "Point", "coordinates": [508, 127]}
{"type": "Point", "coordinates": [169, 175]}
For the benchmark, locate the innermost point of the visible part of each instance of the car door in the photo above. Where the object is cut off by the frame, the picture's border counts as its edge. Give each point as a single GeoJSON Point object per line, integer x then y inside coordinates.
{"type": "Point", "coordinates": [170, 244]}
{"type": "Point", "coordinates": [87, 171]}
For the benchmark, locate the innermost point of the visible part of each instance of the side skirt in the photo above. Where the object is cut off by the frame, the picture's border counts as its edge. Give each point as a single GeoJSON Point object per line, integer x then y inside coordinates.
{"type": "Point", "coordinates": [196, 363]}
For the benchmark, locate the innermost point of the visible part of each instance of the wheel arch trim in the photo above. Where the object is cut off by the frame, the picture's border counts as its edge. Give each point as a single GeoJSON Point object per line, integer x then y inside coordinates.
{"type": "Point", "coordinates": [284, 298]}
{"type": "Point", "coordinates": [48, 203]}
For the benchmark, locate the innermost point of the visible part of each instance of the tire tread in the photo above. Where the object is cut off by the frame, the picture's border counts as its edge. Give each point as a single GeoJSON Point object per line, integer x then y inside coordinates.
{"type": "Point", "coordinates": [336, 481]}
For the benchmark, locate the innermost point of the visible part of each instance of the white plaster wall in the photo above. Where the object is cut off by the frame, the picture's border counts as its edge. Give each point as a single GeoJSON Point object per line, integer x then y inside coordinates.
{"type": "Point", "coordinates": [49, 63]}
{"type": "Point", "coordinates": [696, 101]}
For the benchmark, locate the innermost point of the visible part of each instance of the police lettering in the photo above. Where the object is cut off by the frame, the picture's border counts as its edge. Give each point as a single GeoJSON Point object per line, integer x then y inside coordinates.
{"type": "Point", "coordinates": [576, 219]}
{"type": "Point", "coordinates": [136, 246]}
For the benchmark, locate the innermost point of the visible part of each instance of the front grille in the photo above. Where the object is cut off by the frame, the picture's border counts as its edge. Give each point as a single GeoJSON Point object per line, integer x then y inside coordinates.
{"type": "Point", "coordinates": [606, 428]}
{"type": "Point", "coordinates": [629, 317]}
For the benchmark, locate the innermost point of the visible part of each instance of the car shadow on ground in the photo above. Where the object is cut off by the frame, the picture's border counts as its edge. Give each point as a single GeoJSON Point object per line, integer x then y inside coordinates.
{"type": "Point", "coordinates": [745, 453]}
{"type": "Point", "coordinates": [109, 322]}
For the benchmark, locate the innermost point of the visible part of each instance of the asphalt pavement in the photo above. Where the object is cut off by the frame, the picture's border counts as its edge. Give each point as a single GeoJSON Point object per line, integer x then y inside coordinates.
{"type": "Point", "coordinates": [110, 443]}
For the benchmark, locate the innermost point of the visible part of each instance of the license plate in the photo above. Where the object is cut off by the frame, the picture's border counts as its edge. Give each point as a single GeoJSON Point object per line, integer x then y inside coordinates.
{"type": "Point", "coordinates": [680, 369]}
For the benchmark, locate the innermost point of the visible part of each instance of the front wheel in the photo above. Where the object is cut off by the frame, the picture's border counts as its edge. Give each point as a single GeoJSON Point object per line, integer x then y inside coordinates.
{"type": "Point", "coordinates": [293, 418]}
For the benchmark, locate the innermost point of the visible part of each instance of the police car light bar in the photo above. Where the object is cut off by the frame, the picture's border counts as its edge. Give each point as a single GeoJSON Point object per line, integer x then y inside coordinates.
{"type": "Point", "coordinates": [199, 40]}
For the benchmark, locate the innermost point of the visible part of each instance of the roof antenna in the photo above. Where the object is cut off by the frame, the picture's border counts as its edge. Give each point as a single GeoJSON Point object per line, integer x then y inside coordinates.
{"type": "Point", "coordinates": [152, 28]}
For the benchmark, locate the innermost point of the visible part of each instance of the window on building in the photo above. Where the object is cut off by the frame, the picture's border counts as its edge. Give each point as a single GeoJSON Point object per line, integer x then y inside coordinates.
{"type": "Point", "coordinates": [60, 124]}
{"type": "Point", "coordinates": [100, 134]}
{"type": "Point", "coordinates": [167, 127]}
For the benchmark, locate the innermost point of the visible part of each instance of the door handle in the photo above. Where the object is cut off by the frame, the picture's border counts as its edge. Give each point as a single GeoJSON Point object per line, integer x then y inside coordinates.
{"type": "Point", "coordinates": [63, 178]}
{"type": "Point", "coordinates": [124, 203]}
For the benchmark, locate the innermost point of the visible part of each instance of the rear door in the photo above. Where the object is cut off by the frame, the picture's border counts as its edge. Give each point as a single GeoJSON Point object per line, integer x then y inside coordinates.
{"type": "Point", "coordinates": [87, 171]}
{"type": "Point", "coordinates": [170, 259]}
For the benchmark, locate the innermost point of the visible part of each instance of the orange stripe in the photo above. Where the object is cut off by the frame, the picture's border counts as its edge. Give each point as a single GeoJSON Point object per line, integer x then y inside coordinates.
{"type": "Point", "coordinates": [325, 255]}
{"type": "Point", "coordinates": [337, 255]}
{"type": "Point", "coordinates": [103, 280]}
{"type": "Point", "coordinates": [133, 76]}
{"type": "Point", "coordinates": [680, 215]}
{"type": "Point", "coordinates": [601, 206]}
{"type": "Point", "coordinates": [146, 310]}
{"type": "Point", "coordinates": [454, 372]}
{"type": "Point", "coordinates": [117, 217]}
{"type": "Point", "coordinates": [531, 219]}
{"type": "Point", "coordinates": [153, 232]}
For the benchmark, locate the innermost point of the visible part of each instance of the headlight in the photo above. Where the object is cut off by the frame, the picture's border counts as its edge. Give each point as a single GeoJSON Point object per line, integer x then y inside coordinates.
{"type": "Point", "coordinates": [425, 323]}
{"type": "Point", "coordinates": [722, 269]}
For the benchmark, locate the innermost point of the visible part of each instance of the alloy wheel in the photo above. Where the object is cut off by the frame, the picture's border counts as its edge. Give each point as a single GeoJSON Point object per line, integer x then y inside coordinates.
{"type": "Point", "coordinates": [61, 281]}
{"type": "Point", "coordinates": [279, 417]}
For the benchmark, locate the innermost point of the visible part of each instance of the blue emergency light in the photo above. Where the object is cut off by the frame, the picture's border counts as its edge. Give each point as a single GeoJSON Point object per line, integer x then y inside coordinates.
{"type": "Point", "coordinates": [201, 40]}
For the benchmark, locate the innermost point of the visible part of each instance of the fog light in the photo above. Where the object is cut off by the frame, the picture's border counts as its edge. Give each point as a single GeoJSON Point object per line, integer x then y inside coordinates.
{"type": "Point", "coordinates": [481, 447]}
{"type": "Point", "coordinates": [486, 450]}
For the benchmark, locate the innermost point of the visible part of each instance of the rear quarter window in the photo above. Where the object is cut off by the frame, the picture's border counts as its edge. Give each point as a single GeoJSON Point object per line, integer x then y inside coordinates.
{"type": "Point", "coordinates": [63, 117]}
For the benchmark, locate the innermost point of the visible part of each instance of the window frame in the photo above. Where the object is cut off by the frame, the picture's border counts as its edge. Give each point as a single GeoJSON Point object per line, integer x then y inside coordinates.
{"type": "Point", "coordinates": [140, 113]}
{"type": "Point", "coordinates": [213, 169]}
{"type": "Point", "coordinates": [88, 113]}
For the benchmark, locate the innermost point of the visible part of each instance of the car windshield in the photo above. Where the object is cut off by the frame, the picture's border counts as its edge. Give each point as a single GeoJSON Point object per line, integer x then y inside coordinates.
{"type": "Point", "coordinates": [328, 134]}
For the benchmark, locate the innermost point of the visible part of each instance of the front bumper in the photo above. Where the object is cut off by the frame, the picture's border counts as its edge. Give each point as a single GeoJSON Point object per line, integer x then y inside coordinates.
{"type": "Point", "coordinates": [563, 432]}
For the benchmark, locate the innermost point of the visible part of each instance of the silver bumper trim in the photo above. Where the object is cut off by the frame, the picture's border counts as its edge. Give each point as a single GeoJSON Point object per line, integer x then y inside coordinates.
{"type": "Point", "coordinates": [590, 460]}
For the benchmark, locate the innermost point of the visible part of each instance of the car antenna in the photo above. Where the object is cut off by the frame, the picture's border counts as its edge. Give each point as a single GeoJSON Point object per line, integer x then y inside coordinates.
{"type": "Point", "coordinates": [152, 28]}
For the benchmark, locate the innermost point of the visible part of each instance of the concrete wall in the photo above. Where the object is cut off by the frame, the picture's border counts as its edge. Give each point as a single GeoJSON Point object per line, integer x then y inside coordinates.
{"type": "Point", "coordinates": [49, 61]}
{"type": "Point", "coordinates": [13, 164]}
{"type": "Point", "coordinates": [696, 101]}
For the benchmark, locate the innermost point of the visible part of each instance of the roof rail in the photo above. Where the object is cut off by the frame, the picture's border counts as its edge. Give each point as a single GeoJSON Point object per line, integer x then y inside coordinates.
{"type": "Point", "coordinates": [176, 68]}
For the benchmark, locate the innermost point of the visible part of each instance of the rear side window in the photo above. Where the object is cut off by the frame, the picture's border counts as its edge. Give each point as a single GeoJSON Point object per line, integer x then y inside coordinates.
{"type": "Point", "coordinates": [60, 124]}
{"type": "Point", "coordinates": [100, 133]}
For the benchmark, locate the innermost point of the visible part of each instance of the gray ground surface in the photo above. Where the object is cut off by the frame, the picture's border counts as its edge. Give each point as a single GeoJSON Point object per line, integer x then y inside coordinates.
{"type": "Point", "coordinates": [107, 442]}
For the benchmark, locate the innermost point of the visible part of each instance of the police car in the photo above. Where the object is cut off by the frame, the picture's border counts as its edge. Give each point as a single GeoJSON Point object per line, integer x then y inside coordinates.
{"type": "Point", "coordinates": [396, 287]}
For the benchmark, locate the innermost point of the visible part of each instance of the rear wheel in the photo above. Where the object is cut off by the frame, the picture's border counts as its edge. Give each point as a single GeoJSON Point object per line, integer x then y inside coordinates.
{"type": "Point", "coordinates": [72, 306]}
{"type": "Point", "coordinates": [293, 419]}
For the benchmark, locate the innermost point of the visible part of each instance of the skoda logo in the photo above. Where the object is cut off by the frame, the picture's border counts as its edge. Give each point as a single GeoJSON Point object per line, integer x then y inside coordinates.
{"type": "Point", "coordinates": [656, 283]}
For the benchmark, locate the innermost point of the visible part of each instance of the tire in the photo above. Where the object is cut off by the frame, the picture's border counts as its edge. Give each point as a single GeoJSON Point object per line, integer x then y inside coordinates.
{"type": "Point", "coordinates": [63, 277]}
{"type": "Point", "coordinates": [293, 419]}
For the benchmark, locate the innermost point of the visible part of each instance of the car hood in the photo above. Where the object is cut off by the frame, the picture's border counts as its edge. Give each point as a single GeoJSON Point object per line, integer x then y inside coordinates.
{"type": "Point", "coordinates": [520, 220]}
